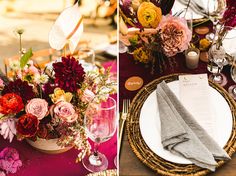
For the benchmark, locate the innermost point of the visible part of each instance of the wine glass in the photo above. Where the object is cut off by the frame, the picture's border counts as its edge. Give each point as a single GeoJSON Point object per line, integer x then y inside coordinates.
{"type": "Point", "coordinates": [100, 125]}
{"type": "Point", "coordinates": [216, 9]}
{"type": "Point", "coordinates": [217, 56]}
{"type": "Point", "coordinates": [87, 58]}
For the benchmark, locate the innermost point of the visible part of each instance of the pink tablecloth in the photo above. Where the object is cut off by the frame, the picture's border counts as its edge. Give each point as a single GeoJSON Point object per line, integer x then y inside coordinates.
{"type": "Point", "coordinates": [36, 163]}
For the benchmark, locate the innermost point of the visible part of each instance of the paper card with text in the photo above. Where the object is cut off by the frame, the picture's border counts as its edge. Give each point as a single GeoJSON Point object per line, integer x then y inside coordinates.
{"type": "Point", "coordinates": [195, 96]}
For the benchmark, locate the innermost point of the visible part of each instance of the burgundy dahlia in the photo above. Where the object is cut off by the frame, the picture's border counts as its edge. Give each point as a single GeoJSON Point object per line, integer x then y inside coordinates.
{"type": "Point", "coordinates": [68, 74]}
{"type": "Point", "coordinates": [22, 88]}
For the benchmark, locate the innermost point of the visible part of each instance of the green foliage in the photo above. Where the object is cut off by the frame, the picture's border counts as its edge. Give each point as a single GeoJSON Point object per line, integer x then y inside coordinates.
{"type": "Point", "coordinates": [25, 58]}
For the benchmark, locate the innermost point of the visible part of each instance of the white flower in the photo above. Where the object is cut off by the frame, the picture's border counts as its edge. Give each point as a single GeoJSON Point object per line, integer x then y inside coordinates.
{"type": "Point", "coordinates": [8, 129]}
{"type": "Point", "coordinates": [41, 79]}
{"type": "Point", "coordinates": [14, 65]}
{"type": "Point", "coordinates": [105, 90]}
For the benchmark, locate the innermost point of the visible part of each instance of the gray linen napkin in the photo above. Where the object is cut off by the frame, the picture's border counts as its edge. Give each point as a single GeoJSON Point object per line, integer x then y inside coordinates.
{"type": "Point", "coordinates": [182, 135]}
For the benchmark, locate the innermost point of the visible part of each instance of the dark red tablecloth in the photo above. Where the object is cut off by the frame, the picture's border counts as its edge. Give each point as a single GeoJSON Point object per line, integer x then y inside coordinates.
{"type": "Point", "coordinates": [129, 68]}
{"type": "Point", "coordinates": [36, 163]}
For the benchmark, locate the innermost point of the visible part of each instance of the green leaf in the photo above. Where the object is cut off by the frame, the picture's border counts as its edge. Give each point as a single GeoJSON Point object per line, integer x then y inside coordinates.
{"type": "Point", "coordinates": [25, 58]}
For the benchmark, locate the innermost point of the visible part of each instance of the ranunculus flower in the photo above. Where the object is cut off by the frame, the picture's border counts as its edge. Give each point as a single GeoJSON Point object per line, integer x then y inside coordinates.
{"type": "Point", "coordinates": [27, 125]}
{"type": "Point", "coordinates": [60, 95]}
{"type": "Point", "coordinates": [10, 160]}
{"type": "Point", "coordinates": [11, 103]}
{"type": "Point", "coordinates": [149, 15]}
{"type": "Point", "coordinates": [38, 107]}
{"type": "Point", "coordinates": [87, 96]}
{"type": "Point", "coordinates": [64, 111]}
{"type": "Point", "coordinates": [175, 35]}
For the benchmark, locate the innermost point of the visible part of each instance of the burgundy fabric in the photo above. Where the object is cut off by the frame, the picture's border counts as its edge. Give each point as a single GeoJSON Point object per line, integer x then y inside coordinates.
{"type": "Point", "coordinates": [129, 68]}
{"type": "Point", "coordinates": [36, 163]}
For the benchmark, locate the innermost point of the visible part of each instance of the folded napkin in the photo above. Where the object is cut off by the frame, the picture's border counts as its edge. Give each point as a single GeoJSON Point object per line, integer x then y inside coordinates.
{"type": "Point", "coordinates": [182, 135]}
{"type": "Point", "coordinates": [196, 6]}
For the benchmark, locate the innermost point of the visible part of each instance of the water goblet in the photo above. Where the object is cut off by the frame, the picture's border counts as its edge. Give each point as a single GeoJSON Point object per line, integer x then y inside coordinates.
{"type": "Point", "coordinates": [100, 125]}
{"type": "Point", "coordinates": [87, 58]}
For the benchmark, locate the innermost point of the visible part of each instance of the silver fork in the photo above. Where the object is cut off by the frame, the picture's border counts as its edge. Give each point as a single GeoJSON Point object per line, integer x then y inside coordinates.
{"type": "Point", "coordinates": [126, 104]}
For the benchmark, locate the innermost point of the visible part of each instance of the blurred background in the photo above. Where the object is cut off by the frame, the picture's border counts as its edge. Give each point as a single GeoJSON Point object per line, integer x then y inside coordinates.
{"type": "Point", "coordinates": [36, 18]}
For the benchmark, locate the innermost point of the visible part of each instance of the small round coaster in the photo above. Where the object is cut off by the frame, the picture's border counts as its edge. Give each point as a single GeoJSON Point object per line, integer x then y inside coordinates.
{"type": "Point", "coordinates": [232, 90]}
{"type": "Point", "coordinates": [202, 30]}
{"type": "Point", "coordinates": [204, 56]}
{"type": "Point", "coordinates": [222, 83]}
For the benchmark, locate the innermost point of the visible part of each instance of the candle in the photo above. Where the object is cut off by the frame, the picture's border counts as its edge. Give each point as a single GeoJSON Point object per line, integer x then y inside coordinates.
{"type": "Point", "coordinates": [192, 57]}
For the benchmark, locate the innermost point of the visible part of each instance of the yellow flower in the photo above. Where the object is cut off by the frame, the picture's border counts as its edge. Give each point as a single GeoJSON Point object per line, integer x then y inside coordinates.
{"type": "Point", "coordinates": [60, 95]}
{"type": "Point", "coordinates": [204, 44]}
{"type": "Point", "coordinates": [149, 15]}
{"type": "Point", "coordinates": [141, 55]}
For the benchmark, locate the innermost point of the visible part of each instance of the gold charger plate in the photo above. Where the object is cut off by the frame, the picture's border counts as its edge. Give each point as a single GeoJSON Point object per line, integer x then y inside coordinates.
{"type": "Point", "coordinates": [147, 156]}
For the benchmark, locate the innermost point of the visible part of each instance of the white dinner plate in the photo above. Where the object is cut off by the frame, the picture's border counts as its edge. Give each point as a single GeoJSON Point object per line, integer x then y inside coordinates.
{"type": "Point", "coordinates": [150, 123]}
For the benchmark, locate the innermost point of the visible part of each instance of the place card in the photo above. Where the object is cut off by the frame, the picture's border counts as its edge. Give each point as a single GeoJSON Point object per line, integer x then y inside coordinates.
{"type": "Point", "coordinates": [133, 83]}
{"type": "Point", "coordinates": [195, 96]}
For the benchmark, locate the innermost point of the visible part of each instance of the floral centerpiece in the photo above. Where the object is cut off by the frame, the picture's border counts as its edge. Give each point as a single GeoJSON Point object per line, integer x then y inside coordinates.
{"type": "Point", "coordinates": [50, 103]}
{"type": "Point", "coordinates": [147, 28]}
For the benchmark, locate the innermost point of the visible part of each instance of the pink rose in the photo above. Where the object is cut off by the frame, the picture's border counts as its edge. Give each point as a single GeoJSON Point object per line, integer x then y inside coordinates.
{"type": "Point", "coordinates": [87, 96]}
{"type": "Point", "coordinates": [37, 107]}
{"type": "Point", "coordinates": [64, 111]}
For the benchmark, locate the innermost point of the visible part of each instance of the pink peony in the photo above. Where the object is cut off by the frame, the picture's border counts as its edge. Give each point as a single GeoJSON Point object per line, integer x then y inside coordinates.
{"type": "Point", "coordinates": [64, 111]}
{"type": "Point", "coordinates": [87, 96]}
{"type": "Point", "coordinates": [37, 107]}
{"type": "Point", "coordinates": [10, 160]}
{"type": "Point", "coordinates": [175, 35]}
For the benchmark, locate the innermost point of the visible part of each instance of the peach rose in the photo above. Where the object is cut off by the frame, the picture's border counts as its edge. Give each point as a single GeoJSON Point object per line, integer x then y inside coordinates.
{"type": "Point", "coordinates": [64, 111]}
{"type": "Point", "coordinates": [87, 96]}
{"type": "Point", "coordinates": [37, 107]}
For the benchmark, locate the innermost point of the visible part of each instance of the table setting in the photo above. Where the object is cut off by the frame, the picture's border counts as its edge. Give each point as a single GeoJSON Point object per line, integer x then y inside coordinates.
{"type": "Point", "coordinates": [58, 106]}
{"type": "Point", "coordinates": [176, 86]}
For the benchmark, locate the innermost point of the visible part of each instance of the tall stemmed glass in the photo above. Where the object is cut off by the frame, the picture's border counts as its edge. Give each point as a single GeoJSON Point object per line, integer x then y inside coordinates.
{"type": "Point", "coordinates": [100, 125]}
{"type": "Point", "coordinates": [217, 55]}
{"type": "Point", "coordinates": [216, 9]}
{"type": "Point", "coordinates": [87, 58]}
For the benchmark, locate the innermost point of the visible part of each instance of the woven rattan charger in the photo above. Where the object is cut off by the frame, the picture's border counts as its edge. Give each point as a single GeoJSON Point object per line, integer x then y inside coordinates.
{"type": "Point", "coordinates": [147, 156]}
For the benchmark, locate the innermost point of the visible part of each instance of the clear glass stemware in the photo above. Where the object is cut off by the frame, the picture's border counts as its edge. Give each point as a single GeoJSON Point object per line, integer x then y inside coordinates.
{"type": "Point", "coordinates": [216, 9]}
{"type": "Point", "coordinates": [232, 89]}
{"type": "Point", "coordinates": [100, 125]}
{"type": "Point", "coordinates": [87, 58]}
{"type": "Point", "coordinates": [217, 56]}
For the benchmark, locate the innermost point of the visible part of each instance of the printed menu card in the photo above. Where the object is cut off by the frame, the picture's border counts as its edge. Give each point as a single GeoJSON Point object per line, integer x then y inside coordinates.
{"type": "Point", "coordinates": [194, 92]}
